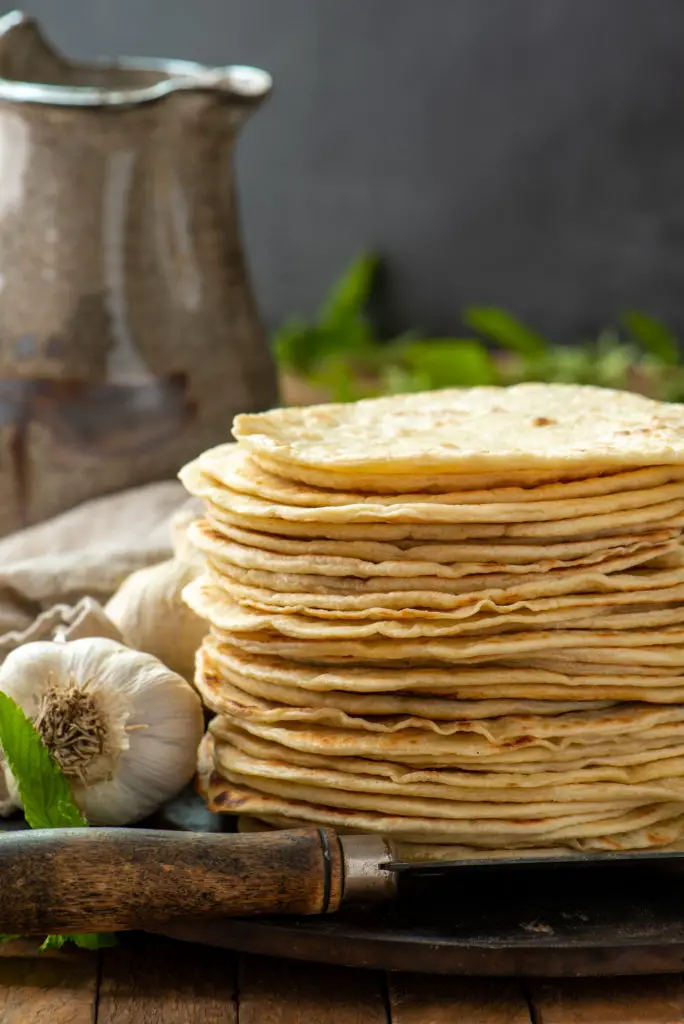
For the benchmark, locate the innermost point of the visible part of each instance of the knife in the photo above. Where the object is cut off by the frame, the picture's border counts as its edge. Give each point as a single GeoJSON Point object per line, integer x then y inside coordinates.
{"type": "Point", "coordinates": [117, 879]}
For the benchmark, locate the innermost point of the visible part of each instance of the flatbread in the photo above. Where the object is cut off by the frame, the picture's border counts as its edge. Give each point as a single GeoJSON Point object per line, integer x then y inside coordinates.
{"type": "Point", "coordinates": [225, 796]}
{"type": "Point", "coordinates": [509, 552]}
{"type": "Point", "coordinates": [228, 466]}
{"type": "Point", "coordinates": [215, 682]}
{"type": "Point", "coordinates": [427, 749]}
{"type": "Point", "coordinates": [425, 482]}
{"type": "Point", "coordinates": [529, 426]}
{"type": "Point", "coordinates": [417, 604]}
{"type": "Point", "coordinates": [219, 547]}
{"type": "Point", "coordinates": [499, 587]}
{"type": "Point", "coordinates": [533, 784]}
{"type": "Point", "coordinates": [560, 730]}
{"type": "Point", "coordinates": [495, 798]}
{"type": "Point", "coordinates": [654, 648]}
{"type": "Point", "coordinates": [457, 682]}
{"type": "Point", "coordinates": [662, 647]}
{"type": "Point", "coordinates": [213, 604]}
{"type": "Point", "coordinates": [588, 528]}
{"type": "Point", "coordinates": [638, 506]}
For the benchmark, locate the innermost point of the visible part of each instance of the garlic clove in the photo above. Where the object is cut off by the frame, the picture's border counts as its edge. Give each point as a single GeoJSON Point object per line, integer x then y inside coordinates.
{"type": "Point", "coordinates": [149, 612]}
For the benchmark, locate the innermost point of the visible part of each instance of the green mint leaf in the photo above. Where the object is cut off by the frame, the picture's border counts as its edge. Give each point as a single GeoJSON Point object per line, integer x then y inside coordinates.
{"type": "Point", "coordinates": [297, 347]}
{"type": "Point", "coordinates": [94, 941]}
{"type": "Point", "coordinates": [46, 796]}
{"type": "Point", "coordinates": [43, 788]}
{"type": "Point", "coordinates": [336, 376]}
{"type": "Point", "coordinates": [451, 363]}
{"type": "Point", "coordinates": [303, 350]}
{"type": "Point", "coordinates": [82, 940]}
{"type": "Point", "coordinates": [398, 381]}
{"type": "Point", "coordinates": [350, 296]}
{"type": "Point", "coordinates": [505, 330]}
{"type": "Point", "coordinates": [653, 336]}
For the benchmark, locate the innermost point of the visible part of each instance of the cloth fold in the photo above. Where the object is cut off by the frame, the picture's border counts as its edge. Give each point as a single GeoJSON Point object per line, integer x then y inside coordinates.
{"type": "Point", "coordinates": [85, 552]}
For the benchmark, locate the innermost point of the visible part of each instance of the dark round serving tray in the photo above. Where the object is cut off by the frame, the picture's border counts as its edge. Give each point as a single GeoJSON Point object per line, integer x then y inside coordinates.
{"type": "Point", "coordinates": [576, 920]}
{"type": "Point", "coordinates": [559, 921]}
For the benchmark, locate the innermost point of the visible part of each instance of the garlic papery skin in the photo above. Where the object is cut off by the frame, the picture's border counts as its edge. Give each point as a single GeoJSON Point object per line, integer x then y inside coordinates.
{"type": "Point", "coordinates": [148, 611]}
{"type": "Point", "coordinates": [123, 727]}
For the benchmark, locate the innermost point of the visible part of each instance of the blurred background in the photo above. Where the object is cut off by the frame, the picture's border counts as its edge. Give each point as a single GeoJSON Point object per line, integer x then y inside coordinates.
{"type": "Point", "coordinates": [437, 193]}
{"type": "Point", "coordinates": [518, 153]}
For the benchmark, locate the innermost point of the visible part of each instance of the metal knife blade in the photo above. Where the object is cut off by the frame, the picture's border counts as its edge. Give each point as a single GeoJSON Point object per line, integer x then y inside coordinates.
{"type": "Point", "coordinates": [536, 858]}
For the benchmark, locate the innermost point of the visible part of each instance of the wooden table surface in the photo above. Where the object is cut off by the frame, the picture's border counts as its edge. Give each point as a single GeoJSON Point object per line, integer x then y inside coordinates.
{"type": "Point", "coordinates": [149, 980]}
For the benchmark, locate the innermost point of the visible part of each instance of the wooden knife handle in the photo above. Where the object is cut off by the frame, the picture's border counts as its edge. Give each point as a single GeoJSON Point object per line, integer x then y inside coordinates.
{"type": "Point", "coordinates": [112, 879]}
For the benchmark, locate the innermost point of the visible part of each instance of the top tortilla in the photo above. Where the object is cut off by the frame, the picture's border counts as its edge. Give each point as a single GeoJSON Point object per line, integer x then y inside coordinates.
{"type": "Point", "coordinates": [457, 430]}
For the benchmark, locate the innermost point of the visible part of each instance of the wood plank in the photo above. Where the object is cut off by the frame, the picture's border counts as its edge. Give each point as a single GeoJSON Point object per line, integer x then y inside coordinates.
{"type": "Point", "coordinates": [649, 1000]}
{"type": "Point", "coordinates": [58, 989]}
{"type": "Point", "coordinates": [432, 999]}
{"type": "Point", "coordinates": [150, 980]}
{"type": "Point", "coordinates": [282, 992]}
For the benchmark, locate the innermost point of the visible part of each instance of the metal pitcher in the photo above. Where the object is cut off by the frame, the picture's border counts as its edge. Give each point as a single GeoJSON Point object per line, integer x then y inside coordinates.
{"type": "Point", "coordinates": [129, 335]}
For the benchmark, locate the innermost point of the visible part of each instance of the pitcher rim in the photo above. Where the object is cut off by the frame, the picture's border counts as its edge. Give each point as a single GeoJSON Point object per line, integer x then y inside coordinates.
{"type": "Point", "coordinates": [242, 82]}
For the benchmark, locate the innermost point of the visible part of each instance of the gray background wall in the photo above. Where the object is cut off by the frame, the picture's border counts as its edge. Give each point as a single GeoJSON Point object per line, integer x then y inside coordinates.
{"type": "Point", "coordinates": [528, 153]}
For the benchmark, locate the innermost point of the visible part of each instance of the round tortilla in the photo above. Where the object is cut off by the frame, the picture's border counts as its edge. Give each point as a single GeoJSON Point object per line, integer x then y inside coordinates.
{"type": "Point", "coordinates": [507, 552]}
{"type": "Point", "coordinates": [229, 467]}
{"type": "Point", "coordinates": [550, 427]}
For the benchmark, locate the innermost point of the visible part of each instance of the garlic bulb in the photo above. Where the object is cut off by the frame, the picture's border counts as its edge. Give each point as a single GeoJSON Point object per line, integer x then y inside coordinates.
{"type": "Point", "coordinates": [149, 612]}
{"type": "Point", "coordinates": [123, 727]}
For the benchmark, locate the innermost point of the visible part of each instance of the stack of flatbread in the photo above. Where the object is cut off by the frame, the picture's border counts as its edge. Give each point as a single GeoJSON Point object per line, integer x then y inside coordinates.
{"type": "Point", "coordinates": [454, 618]}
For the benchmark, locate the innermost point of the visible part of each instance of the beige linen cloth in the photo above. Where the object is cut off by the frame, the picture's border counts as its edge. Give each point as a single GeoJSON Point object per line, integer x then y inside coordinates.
{"type": "Point", "coordinates": [48, 569]}
{"type": "Point", "coordinates": [55, 575]}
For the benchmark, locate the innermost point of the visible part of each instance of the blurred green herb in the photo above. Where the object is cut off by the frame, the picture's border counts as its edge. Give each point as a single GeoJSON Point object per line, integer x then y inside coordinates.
{"type": "Point", "coordinates": [341, 330]}
{"type": "Point", "coordinates": [505, 330]}
{"type": "Point", "coordinates": [652, 336]}
{"type": "Point", "coordinates": [45, 795]}
{"type": "Point", "coordinates": [342, 356]}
